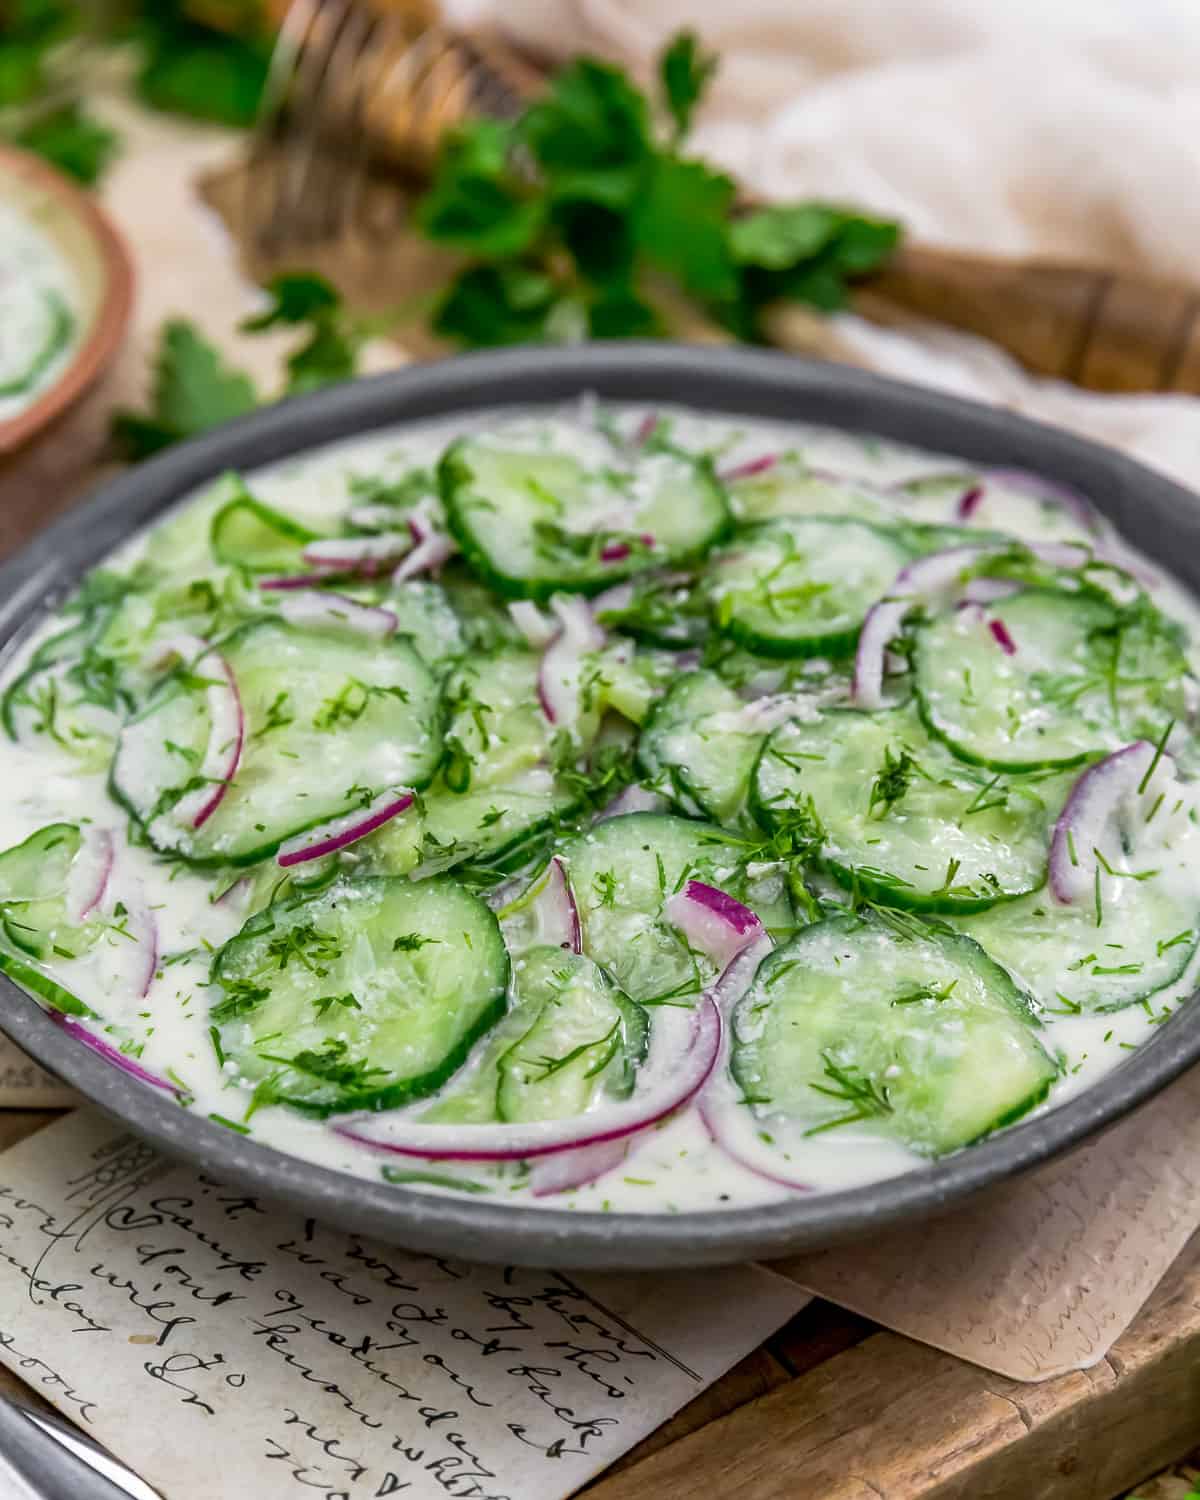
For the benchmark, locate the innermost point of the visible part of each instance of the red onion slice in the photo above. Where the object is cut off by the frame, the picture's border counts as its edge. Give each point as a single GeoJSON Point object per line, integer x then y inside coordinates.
{"type": "Point", "coordinates": [749, 469]}
{"type": "Point", "coordinates": [937, 572]}
{"type": "Point", "coordinates": [432, 547]}
{"type": "Point", "coordinates": [143, 928]}
{"type": "Point", "coordinates": [1090, 810]}
{"type": "Point", "coordinates": [316, 607]}
{"type": "Point", "coordinates": [1003, 637]}
{"type": "Point", "coordinates": [644, 430]}
{"type": "Point", "coordinates": [989, 590]}
{"type": "Point", "coordinates": [968, 502]}
{"type": "Point", "coordinates": [713, 922]}
{"type": "Point", "coordinates": [881, 625]}
{"type": "Point", "coordinates": [559, 674]}
{"type": "Point", "coordinates": [671, 1076]}
{"type": "Point", "coordinates": [223, 754]}
{"type": "Point", "coordinates": [734, 1130]}
{"type": "Point", "coordinates": [555, 913]}
{"type": "Point", "coordinates": [359, 554]}
{"type": "Point", "coordinates": [329, 837]}
{"type": "Point", "coordinates": [112, 1054]}
{"type": "Point", "coordinates": [632, 800]}
{"type": "Point", "coordinates": [89, 873]}
{"type": "Point", "coordinates": [575, 1169]}
{"type": "Point", "coordinates": [532, 623]}
{"type": "Point", "coordinates": [731, 1123]}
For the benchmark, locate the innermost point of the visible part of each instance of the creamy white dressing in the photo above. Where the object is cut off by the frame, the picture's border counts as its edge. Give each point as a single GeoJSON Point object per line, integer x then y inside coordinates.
{"type": "Point", "coordinates": [39, 311]}
{"type": "Point", "coordinates": [670, 1169]}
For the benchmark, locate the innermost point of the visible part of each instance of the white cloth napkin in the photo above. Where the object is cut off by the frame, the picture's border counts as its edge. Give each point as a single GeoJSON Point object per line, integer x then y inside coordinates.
{"type": "Point", "coordinates": [1062, 127]}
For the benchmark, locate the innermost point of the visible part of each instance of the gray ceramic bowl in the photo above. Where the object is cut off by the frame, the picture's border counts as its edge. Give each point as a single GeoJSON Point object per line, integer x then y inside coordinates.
{"type": "Point", "coordinates": [1156, 514]}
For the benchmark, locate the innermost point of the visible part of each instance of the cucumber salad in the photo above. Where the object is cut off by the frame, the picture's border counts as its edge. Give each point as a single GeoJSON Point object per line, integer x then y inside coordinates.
{"type": "Point", "coordinates": [39, 321]}
{"type": "Point", "coordinates": [605, 808]}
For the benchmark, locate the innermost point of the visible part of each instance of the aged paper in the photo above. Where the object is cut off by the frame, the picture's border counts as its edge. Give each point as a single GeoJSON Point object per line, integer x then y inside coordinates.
{"type": "Point", "coordinates": [1043, 1275]}
{"type": "Point", "coordinates": [221, 1349]}
{"type": "Point", "coordinates": [25, 1085]}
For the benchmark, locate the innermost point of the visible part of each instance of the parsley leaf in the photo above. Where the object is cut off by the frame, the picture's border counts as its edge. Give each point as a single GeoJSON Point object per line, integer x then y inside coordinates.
{"type": "Point", "coordinates": [579, 215]}
{"type": "Point", "coordinates": [331, 350]}
{"type": "Point", "coordinates": [681, 225]}
{"type": "Point", "coordinates": [685, 72]}
{"type": "Point", "coordinates": [485, 306]}
{"type": "Point", "coordinates": [71, 140]}
{"type": "Point", "coordinates": [192, 390]}
{"type": "Point", "coordinates": [188, 68]}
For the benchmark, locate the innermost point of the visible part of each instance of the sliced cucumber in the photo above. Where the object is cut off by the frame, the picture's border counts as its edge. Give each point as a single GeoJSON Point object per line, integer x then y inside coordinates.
{"type": "Point", "coordinates": [1083, 677]}
{"type": "Point", "coordinates": [802, 587]}
{"type": "Point", "coordinates": [246, 533]}
{"type": "Point", "coordinates": [921, 1038]}
{"type": "Point", "coordinates": [662, 610]}
{"type": "Point", "coordinates": [623, 870]}
{"type": "Point", "coordinates": [55, 333]}
{"type": "Point", "coordinates": [902, 820]}
{"type": "Point", "coordinates": [1145, 939]}
{"type": "Point", "coordinates": [427, 620]}
{"type": "Point", "coordinates": [497, 789]}
{"type": "Point", "coordinates": [365, 996]}
{"type": "Point", "coordinates": [697, 737]}
{"type": "Point", "coordinates": [40, 985]}
{"type": "Point", "coordinates": [790, 488]}
{"type": "Point", "coordinates": [586, 1038]}
{"type": "Point", "coordinates": [497, 783]}
{"type": "Point", "coordinates": [34, 878]}
{"type": "Point", "coordinates": [329, 726]}
{"type": "Point", "coordinates": [534, 522]}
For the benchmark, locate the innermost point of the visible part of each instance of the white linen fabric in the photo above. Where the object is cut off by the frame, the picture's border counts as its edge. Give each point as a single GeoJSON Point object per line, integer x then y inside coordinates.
{"type": "Point", "coordinates": [1069, 129]}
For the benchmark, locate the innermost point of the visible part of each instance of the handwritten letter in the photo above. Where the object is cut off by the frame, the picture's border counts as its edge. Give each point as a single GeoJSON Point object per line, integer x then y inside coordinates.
{"type": "Point", "coordinates": [220, 1349]}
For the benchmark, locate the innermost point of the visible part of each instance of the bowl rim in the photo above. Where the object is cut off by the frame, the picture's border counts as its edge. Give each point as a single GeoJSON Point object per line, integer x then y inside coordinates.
{"type": "Point", "coordinates": [114, 308]}
{"type": "Point", "coordinates": [1150, 509]}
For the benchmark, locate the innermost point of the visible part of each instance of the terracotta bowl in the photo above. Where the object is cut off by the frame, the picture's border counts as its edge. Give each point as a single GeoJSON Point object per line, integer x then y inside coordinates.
{"type": "Point", "coordinates": [100, 264]}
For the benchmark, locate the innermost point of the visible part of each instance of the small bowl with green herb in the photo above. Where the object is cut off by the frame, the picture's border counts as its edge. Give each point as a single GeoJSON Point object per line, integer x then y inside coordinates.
{"type": "Point", "coordinates": [66, 288]}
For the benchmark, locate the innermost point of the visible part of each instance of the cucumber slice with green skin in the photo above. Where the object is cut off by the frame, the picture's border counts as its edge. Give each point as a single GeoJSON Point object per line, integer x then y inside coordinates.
{"type": "Point", "coordinates": [496, 789]}
{"type": "Point", "coordinates": [623, 870]}
{"type": "Point", "coordinates": [532, 523]}
{"type": "Point", "coordinates": [365, 996]}
{"type": "Point", "coordinates": [62, 703]}
{"type": "Point", "coordinates": [790, 488]}
{"type": "Point", "coordinates": [922, 1038]}
{"type": "Point", "coordinates": [697, 735]}
{"type": "Point", "coordinates": [1146, 938]}
{"type": "Point", "coordinates": [246, 533]}
{"type": "Point", "coordinates": [57, 331]}
{"type": "Point", "coordinates": [34, 982]}
{"type": "Point", "coordinates": [73, 691]}
{"type": "Point", "coordinates": [34, 878]}
{"type": "Point", "coordinates": [902, 820]}
{"type": "Point", "coordinates": [586, 1038]}
{"type": "Point", "coordinates": [426, 619]}
{"type": "Point", "coordinates": [329, 726]}
{"type": "Point", "coordinates": [497, 783]}
{"type": "Point", "coordinates": [670, 612]}
{"type": "Point", "coordinates": [802, 587]}
{"type": "Point", "coordinates": [1083, 677]}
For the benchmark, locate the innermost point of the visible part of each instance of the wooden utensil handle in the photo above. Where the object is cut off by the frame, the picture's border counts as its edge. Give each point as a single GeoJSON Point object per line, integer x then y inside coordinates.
{"type": "Point", "coordinates": [1104, 330]}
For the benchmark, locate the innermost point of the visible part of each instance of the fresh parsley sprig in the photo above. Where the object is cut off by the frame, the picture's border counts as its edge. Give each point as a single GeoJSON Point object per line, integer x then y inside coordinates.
{"type": "Point", "coordinates": [583, 216]}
